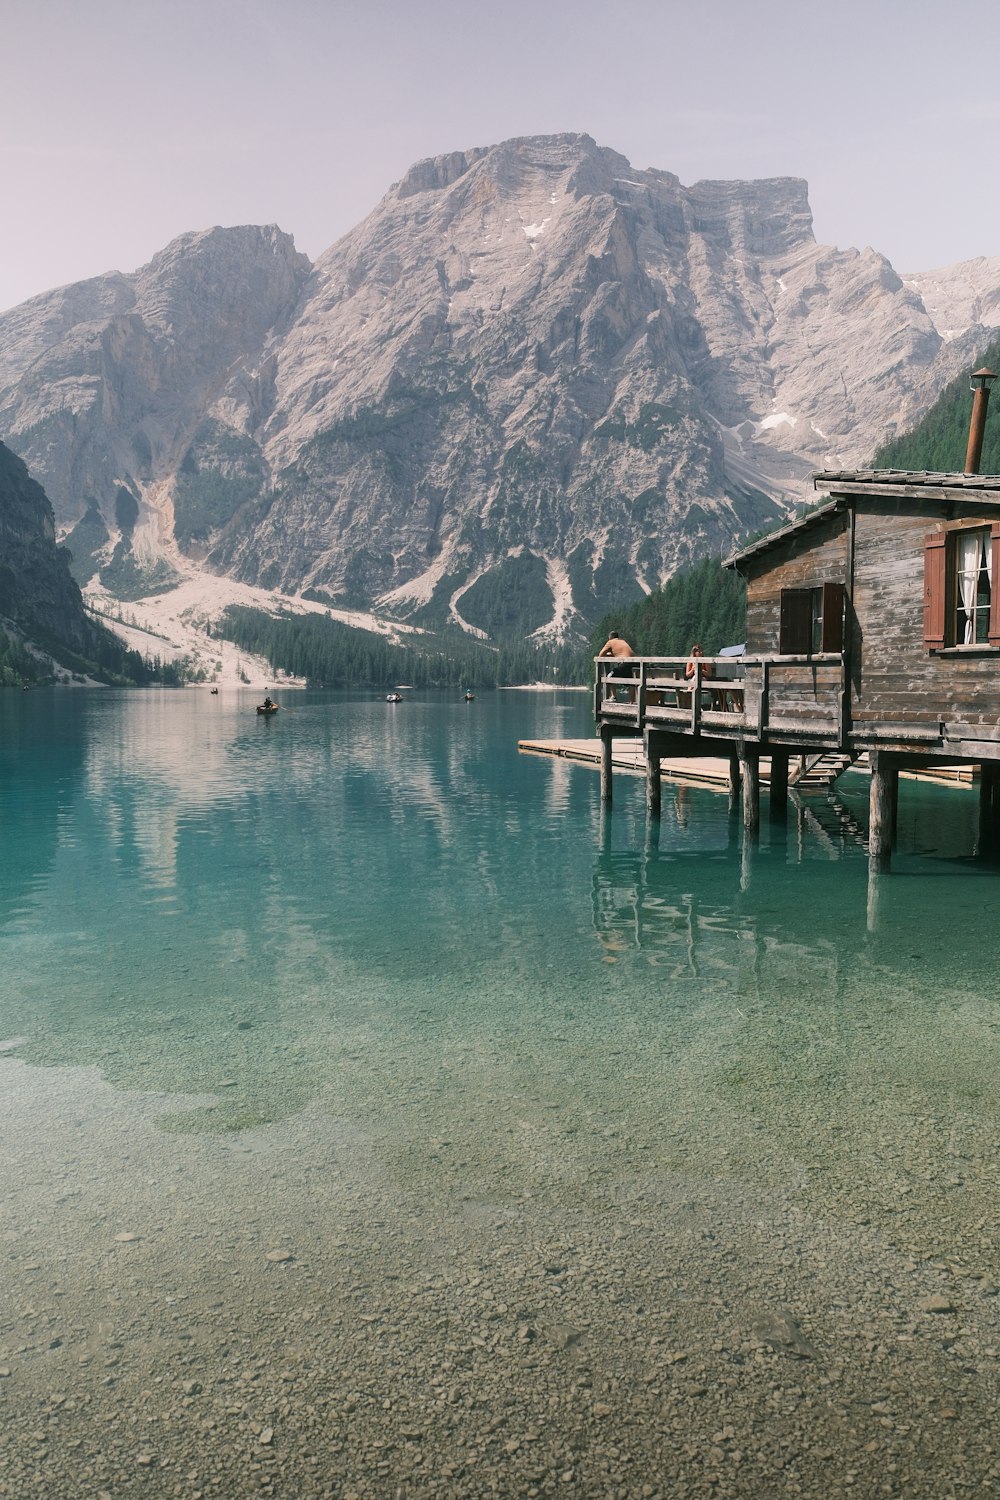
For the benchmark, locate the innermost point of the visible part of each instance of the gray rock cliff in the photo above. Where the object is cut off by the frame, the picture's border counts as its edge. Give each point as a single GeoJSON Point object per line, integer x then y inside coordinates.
{"type": "Point", "coordinates": [531, 355]}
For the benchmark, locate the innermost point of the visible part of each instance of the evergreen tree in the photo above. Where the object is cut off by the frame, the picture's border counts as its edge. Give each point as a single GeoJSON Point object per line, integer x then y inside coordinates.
{"type": "Point", "coordinates": [705, 603]}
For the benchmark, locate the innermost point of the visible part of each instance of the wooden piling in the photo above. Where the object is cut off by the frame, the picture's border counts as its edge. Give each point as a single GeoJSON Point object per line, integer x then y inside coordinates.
{"type": "Point", "coordinates": [989, 808]}
{"type": "Point", "coordinates": [606, 743]}
{"type": "Point", "coordinates": [653, 786]}
{"type": "Point", "coordinates": [750, 776]}
{"type": "Point", "coordinates": [882, 811]}
{"type": "Point", "coordinates": [653, 746]}
{"type": "Point", "coordinates": [778, 791]}
{"type": "Point", "coordinates": [734, 781]}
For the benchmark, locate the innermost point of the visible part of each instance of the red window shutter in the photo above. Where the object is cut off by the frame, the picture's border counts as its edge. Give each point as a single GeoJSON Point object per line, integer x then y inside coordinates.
{"type": "Point", "coordinates": [994, 636]}
{"type": "Point", "coordinates": [934, 588]}
{"type": "Point", "coordinates": [833, 617]}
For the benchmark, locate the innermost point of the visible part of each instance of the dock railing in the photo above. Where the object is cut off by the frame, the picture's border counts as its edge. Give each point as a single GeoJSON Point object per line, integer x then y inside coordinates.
{"type": "Point", "coordinates": [773, 697]}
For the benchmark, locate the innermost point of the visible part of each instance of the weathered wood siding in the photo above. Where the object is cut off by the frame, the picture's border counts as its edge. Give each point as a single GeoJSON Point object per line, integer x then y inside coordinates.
{"type": "Point", "coordinates": [803, 694]}
{"type": "Point", "coordinates": [894, 677]}
{"type": "Point", "coordinates": [806, 561]}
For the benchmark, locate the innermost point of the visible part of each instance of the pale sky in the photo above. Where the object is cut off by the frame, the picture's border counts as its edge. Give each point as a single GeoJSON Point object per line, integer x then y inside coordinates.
{"type": "Point", "coordinates": [124, 123]}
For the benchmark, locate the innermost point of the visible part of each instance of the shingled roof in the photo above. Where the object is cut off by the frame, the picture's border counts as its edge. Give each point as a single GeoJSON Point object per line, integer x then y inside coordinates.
{"type": "Point", "coordinates": [891, 483]}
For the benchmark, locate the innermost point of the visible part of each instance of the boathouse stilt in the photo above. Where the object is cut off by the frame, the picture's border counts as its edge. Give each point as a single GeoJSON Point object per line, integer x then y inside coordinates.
{"type": "Point", "coordinates": [882, 810]}
{"type": "Point", "coordinates": [989, 808]}
{"type": "Point", "coordinates": [734, 781]}
{"type": "Point", "coordinates": [655, 747]}
{"type": "Point", "coordinates": [778, 790]}
{"type": "Point", "coordinates": [606, 743]}
{"type": "Point", "coordinates": [750, 776]}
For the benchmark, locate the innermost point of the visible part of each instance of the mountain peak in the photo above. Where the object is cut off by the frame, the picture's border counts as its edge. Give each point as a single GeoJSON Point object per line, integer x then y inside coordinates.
{"type": "Point", "coordinates": [532, 370]}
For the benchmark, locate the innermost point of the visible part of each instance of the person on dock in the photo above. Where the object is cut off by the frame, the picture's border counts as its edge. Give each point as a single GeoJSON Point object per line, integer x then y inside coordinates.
{"type": "Point", "coordinates": [707, 670]}
{"type": "Point", "coordinates": [615, 645]}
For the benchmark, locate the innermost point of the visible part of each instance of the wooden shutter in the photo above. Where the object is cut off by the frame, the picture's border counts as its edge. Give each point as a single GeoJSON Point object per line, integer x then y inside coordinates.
{"type": "Point", "coordinates": [994, 636]}
{"type": "Point", "coordinates": [795, 631]}
{"type": "Point", "coordinates": [935, 553]}
{"type": "Point", "coordinates": [833, 617]}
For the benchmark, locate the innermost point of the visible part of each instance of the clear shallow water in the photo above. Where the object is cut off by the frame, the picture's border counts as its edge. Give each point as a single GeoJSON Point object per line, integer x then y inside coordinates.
{"type": "Point", "coordinates": [387, 920]}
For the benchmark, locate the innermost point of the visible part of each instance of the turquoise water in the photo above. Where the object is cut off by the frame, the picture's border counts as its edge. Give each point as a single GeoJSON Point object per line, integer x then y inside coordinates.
{"type": "Point", "coordinates": [389, 919]}
{"type": "Point", "coordinates": [193, 896]}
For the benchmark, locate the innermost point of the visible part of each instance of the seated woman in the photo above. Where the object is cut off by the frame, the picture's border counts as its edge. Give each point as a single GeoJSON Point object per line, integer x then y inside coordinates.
{"type": "Point", "coordinates": [707, 670]}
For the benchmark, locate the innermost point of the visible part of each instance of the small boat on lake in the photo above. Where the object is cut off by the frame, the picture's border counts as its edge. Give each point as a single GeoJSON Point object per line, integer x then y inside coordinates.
{"type": "Point", "coordinates": [214, 692]}
{"type": "Point", "coordinates": [267, 707]}
{"type": "Point", "coordinates": [393, 697]}
{"type": "Point", "coordinates": [470, 697]}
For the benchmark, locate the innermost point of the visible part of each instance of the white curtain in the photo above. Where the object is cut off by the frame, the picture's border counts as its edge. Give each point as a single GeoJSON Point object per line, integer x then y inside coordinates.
{"type": "Point", "coordinates": [970, 546]}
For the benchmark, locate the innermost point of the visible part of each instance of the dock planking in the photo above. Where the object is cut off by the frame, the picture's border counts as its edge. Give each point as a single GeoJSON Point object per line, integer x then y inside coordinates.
{"type": "Point", "coordinates": [706, 771]}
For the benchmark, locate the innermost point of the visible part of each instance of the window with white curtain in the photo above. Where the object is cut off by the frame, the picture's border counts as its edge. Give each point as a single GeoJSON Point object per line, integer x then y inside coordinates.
{"type": "Point", "coordinates": [974, 587]}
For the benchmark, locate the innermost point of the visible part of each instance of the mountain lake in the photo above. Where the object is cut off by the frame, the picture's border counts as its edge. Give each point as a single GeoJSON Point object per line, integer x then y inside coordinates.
{"type": "Point", "coordinates": [380, 1120]}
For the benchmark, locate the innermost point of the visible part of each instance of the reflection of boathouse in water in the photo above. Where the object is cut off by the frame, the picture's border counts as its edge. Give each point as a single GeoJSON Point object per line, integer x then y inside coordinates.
{"type": "Point", "coordinates": [873, 628]}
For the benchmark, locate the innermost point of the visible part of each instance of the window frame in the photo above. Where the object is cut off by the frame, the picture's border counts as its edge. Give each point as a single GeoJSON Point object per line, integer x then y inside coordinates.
{"type": "Point", "coordinates": [941, 591]}
{"type": "Point", "coordinates": [811, 620]}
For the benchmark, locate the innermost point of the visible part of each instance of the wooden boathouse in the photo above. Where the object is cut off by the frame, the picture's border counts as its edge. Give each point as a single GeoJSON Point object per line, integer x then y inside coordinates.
{"type": "Point", "coordinates": [873, 627]}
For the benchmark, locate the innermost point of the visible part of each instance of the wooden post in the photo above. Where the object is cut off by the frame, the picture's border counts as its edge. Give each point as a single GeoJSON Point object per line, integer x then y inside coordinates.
{"type": "Point", "coordinates": [750, 767]}
{"type": "Point", "coordinates": [778, 796]}
{"type": "Point", "coordinates": [734, 780]}
{"type": "Point", "coordinates": [606, 742]}
{"type": "Point", "coordinates": [652, 747]}
{"type": "Point", "coordinates": [989, 807]}
{"type": "Point", "coordinates": [764, 707]}
{"type": "Point", "coordinates": [882, 812]}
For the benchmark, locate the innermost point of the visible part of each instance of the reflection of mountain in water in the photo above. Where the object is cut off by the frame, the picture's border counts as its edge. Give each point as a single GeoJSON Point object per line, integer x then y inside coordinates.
{"type": "Point", "coordinates": [227, 906]}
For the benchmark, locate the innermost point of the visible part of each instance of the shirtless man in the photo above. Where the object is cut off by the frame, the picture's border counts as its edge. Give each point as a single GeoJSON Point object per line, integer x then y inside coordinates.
{"type": "Point", "coordinates": [616, 646]}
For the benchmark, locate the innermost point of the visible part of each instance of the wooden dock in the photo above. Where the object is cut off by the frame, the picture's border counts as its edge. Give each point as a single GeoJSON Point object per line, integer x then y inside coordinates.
{"type": "Point", "coordinates": [628, 755]}
{"type": "Point", "coordinates": [705, 771]}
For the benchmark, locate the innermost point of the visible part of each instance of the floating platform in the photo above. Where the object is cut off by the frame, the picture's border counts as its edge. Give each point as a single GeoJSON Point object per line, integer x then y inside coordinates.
{"type": "Point", "coordinates": [707, 771]}
{"type": "Point", "coordinates": [628, 755]}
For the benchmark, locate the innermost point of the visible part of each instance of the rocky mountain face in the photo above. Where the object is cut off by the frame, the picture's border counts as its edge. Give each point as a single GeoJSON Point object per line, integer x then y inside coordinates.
{"type": "Point", "coordinates": [38, 596]}
{"type": "Point", "coordinates": [533, 369]}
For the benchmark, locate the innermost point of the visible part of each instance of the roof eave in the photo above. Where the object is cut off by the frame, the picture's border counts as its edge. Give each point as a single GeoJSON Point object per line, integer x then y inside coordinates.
{"type": "Point", "coordinates": [775, 538]}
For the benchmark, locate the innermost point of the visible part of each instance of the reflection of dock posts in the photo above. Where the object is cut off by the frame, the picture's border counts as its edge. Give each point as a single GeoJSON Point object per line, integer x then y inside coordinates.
{"type": "Point", "coordinates": [750, 772]}
{"type": "Point", "coordinates": [734, 780]}
{"type": "Point", "coordinates": [606, 743]}
{"type": "Point", "coordinates": [873, 914]}
{"type": "Point", "coordinates": [882, 811]}
{"type": "Point", "coordinates": [989, 808]}
{"type": "Point", "coordinates": [778, 791]}
{"type": "Point", "coordinates": [604, 829]}
{"type": "Point", "coordinates": [747, 853]}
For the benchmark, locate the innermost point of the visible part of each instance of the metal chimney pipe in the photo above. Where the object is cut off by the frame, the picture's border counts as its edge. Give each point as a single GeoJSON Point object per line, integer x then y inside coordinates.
{"type": "Point", "coordinates": [980, 382]}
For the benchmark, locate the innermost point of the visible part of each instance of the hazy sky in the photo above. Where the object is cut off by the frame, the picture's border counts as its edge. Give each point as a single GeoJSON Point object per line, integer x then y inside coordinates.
{"type": "Point", "coordinates": [126, 122]}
